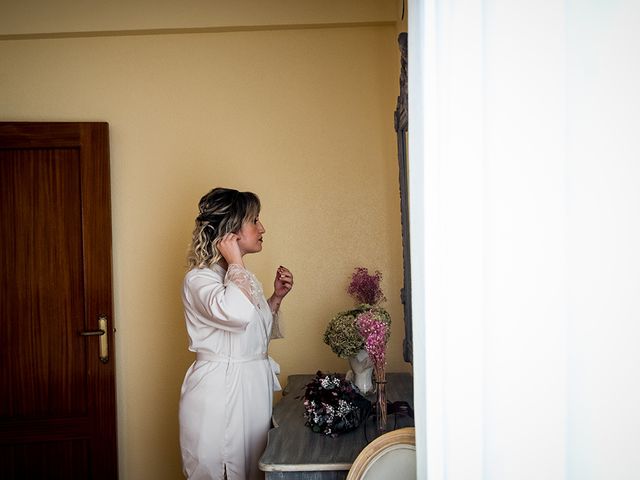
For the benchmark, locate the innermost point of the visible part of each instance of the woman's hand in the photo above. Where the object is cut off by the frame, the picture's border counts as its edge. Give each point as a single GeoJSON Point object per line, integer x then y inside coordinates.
{"type": "Point", "coordinates": [283, 282]}
{"type": "Point", "coordinates": [281, 286]}
{"type": "Point", "coordinates": [229, 249]}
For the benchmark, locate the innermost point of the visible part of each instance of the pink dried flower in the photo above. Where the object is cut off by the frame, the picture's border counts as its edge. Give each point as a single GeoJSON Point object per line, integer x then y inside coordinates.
{"type": "Point", "coordinates": [374, 333]}
{"type": "Point", "coordinates": [365, 288]}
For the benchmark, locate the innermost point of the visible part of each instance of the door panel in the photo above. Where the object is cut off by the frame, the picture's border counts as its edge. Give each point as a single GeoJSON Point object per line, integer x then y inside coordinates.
{"type": "Point", "coordinates": [62, 459]}
{"type": "Point", "coordinates": [57, 412]}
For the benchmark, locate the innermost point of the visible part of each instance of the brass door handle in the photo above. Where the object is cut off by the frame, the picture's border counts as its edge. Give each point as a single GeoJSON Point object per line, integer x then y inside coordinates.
{"type": "Point", "coordinates": [92, 333]}
{"type": "Point", "coordinates": [102, 332]}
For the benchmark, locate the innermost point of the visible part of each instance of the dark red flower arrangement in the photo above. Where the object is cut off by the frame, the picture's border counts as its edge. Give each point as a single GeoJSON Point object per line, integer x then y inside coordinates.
{"type": "Point", "coordinates": [333, 405]}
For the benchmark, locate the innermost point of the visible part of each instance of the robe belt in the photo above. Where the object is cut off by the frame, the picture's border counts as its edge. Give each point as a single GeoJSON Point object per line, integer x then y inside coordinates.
{"type": "Point", "coordinates": [217, 357]}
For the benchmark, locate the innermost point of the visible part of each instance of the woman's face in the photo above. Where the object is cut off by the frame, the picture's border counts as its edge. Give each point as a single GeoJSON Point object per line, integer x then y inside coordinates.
{"type": "Point", "coordinates": [250, 236]}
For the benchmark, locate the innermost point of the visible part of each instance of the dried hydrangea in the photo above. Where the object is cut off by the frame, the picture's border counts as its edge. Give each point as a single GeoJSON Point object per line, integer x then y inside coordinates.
{"type": "Point", "coordinates": [342, 333]}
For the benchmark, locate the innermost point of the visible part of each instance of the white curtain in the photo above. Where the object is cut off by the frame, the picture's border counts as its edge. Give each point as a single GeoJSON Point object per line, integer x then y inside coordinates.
{"type": "Point", "coordinates": [524, 158]}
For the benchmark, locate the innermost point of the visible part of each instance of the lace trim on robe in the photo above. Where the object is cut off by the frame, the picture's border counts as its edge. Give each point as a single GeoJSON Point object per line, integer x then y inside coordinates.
{"type": "Point", "coordinates": [252, 289]}
{"type": "Point", "coordinates": [276, 329]}
{"type": "Point", "coordinates": [246, 282]}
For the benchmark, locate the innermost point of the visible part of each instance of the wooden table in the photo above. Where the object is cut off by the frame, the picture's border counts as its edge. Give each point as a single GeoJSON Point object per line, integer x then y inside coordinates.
{"type": "Point", "coordinates": [294, 452]}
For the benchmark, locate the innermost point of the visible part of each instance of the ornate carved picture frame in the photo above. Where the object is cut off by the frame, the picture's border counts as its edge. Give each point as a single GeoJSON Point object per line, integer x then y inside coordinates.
{"type": "Point", "coordinates": [401, 124]}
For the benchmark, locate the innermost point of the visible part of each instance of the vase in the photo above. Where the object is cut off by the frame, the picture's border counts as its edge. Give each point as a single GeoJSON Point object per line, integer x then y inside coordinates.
{"type": "Point", "coordinates": [381, 401]}
{"type": "Point", "coordinates": [362, 371]}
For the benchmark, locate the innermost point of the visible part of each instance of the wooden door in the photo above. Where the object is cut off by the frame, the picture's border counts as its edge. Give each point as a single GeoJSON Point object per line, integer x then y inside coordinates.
{"type": "Point", "coordinates": [57, 400]}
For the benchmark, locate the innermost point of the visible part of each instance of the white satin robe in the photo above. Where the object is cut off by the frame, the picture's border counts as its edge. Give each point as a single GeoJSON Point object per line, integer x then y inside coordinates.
{"type": "Point", "coordinates": [227, 393]}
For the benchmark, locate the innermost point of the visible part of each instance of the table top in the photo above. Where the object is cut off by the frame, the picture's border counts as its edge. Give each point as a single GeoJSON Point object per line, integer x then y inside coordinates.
{"type": "Point", "coordinates": [294, 447]}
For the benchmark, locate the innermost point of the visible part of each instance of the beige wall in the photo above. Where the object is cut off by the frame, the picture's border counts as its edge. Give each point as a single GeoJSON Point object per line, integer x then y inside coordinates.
{"type": "Point", "coordinates": [28, 17]}
{"type": "Point", "coordinates": [303, 117]}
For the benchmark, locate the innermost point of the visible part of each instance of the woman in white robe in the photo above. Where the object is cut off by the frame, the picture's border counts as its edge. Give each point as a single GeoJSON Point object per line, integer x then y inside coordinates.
{"type": "Point", "coordinates": [226, 399]}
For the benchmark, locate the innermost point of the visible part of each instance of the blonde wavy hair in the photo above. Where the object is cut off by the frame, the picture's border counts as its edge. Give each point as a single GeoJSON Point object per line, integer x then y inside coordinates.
{"type": "Point", "coordinates": [222, 211]}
